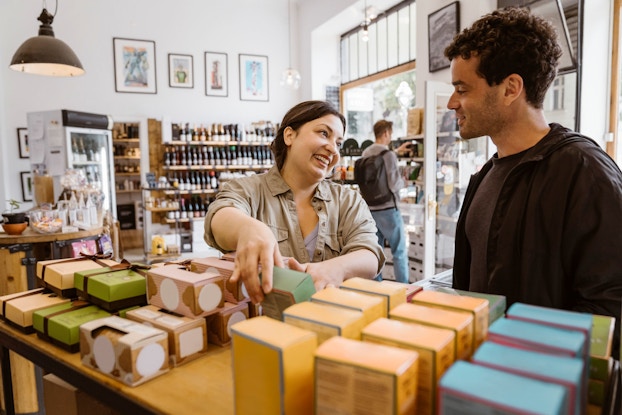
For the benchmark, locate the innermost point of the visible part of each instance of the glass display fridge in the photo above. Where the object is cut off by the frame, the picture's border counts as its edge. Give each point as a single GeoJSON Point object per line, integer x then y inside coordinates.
{"type": "Point", "coordinates": [61, 140]}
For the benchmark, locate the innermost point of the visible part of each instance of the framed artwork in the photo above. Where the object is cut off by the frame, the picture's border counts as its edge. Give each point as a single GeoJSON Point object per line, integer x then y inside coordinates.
{"type": "Point", "coordinates": [27, 185]}
{"type": "Point", "coordinates": [134, 66]}
{"type": "Point", "coordinates": [253, 77]}
{"type": "Point", "coordinates": [216, 74]}
{"type": "Point", "coordinates": [22, 140]}
{"type": "Point", "coordinates": [443, 25]}
{"type": "Point", "coordinates": [180, 71]}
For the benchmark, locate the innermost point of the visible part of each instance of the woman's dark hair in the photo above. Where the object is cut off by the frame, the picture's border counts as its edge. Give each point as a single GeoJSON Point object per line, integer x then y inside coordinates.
{"type": "Point", "coordinates": [511, 41]}
{"type": "Point", "coordinates": [295, 118]}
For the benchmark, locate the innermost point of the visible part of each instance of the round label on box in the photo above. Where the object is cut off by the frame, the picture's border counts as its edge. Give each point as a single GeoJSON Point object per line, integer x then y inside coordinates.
{"type": "Point", "coordinates": [209, 297]}
{"type": "Point", "coordinates": [235, 318]}
{"type": "Point", "coordinates": [150, 359]}
{"type": "Point", "coordinates": [103, 350]}
{"type": "Point", "coordinates": [169, 294]}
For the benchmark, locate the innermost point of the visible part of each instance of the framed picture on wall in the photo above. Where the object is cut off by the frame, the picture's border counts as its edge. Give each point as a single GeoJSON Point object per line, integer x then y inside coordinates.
{"type": "Point", "coordinates": [443, 25]}
{"type": "Point", "coordinates": [216, 74]}
{"type": "Point", "coordinates": [27, 185]}
{"type": "Point", "coordinates": [253, 77]}
{"type": "Point", "coordinates": [134, 66]}
{"type": "Point", "coordinates": [22, 140]}
{"type": "Point", "coordinates": [180, 71]}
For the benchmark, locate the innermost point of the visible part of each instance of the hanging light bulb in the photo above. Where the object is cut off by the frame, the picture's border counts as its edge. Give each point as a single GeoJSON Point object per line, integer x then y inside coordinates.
{"type": "Point", "coordinates": [365, 33]}
{"type": "Point", "coordinates": [290, 78]}
{"type": "Point", "coordinates": [45, 54]}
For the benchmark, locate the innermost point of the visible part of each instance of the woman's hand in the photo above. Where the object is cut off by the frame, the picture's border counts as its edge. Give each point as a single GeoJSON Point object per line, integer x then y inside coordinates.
{"type": "Point", "coordinates": [323, 275]}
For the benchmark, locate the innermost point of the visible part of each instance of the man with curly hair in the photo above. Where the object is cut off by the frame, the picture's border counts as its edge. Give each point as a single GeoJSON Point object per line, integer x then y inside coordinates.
{"type": "Point", "coordinates": [541, 223]}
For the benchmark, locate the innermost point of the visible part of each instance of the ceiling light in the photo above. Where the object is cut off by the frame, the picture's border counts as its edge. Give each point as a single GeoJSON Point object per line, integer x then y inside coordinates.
{"type": "Point", "coordinates": [290, 78]}
{"type": "Point", "coordinates": [46, 55]}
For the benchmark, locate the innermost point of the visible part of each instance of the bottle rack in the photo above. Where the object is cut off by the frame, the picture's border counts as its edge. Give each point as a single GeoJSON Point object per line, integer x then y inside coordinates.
{"type": "Point", "coordinates": [126, 155]}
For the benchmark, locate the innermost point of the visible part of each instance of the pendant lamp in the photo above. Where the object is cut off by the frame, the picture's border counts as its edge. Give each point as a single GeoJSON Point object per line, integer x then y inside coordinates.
{"type": "Point", "coordinates": [290, 77]}
{"type": "Point", "coordinates": [46, 55]}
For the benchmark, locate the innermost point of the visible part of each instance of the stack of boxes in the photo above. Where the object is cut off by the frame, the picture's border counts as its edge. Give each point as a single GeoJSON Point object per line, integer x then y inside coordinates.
{"type": "Point", "coordinates": [381, 346]}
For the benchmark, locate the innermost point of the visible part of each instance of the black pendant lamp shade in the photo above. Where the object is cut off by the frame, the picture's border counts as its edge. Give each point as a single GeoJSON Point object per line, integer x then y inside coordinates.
{"type": "Point", "coordinates": [46, 55]}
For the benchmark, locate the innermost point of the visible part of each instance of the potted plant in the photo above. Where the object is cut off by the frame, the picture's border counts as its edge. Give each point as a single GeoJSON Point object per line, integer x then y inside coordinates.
{"type": "Point", "coordinates": [12, 216]}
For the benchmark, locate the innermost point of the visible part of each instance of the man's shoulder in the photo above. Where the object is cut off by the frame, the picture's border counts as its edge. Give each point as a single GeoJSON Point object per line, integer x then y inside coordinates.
{"type": "Point", "coordinates": [373, 150]}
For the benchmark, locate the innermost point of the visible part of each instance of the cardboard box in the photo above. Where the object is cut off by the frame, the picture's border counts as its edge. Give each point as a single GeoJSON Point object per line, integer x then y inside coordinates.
{"type": "Point", "coordinates": [62, 398]}
{"type": "Point", "coordinates": [467, 388]}
{"type": "Point", "coordinates": [288, 288]}
{"type": "Point", "coordinates": [219, 324]}
{"type": "Point", "coordinates": [111, 289]}
{"type": "Point", "coordinates": [234, 291]}
{"type": "Point", "coordinates": [460, 322]}
{"type": "Point", "coordinates": [371, 306]}
{"type": "Point", "coordinates": [193, 295]}
{"type": "Point", "coordinates": [393, 295]}
{"type": "Point", "coordinates": [273, 367]}
{"type": "Point", "coordinates": [57, 274]}
{"type": "Point", "coordinates": [125, 350]}
{"type": "Point", "coordinates": [538, 337]}
{"type": "Point", "coordinates": [478, 307]}
{"type": "Point", "coordinates": [341, 364]}
{"type": "Point", "coordinates": [564, 371]}
{"type": "Point", "coordinates": [564, 319]}
{"type": "Point", "coordinates": [435, 348]}
{"type": "Point", "coordinates": [187, 337]}
{"type": "Point", "coordinates": [17, 309]}
{"type": "Point", "coordinates": [60, 324]}
{"type": "Point", "coordinates": [326, 320]}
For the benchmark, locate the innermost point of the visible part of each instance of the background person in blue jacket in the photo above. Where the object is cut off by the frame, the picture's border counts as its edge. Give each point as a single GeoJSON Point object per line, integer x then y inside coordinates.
{"type": "Point", "coordinates": [541, 223]}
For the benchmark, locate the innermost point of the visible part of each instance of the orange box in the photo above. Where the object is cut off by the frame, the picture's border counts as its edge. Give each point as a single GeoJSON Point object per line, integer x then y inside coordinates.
{"type": "Point", "coordinates": [340, 366]}
{"type": "Point", "coordinates": [435, 348]}
{"type": "Point", "coordinates": [325, 320]}
{"type": "Point", "coordinates": [187, 293]}
{"type": "Point", "coordinates": [460, 322]}
{"type": "Point", "coordinates": [478, 307]}
{"type": "Point", "coordinates": [371, 306]}
{"type": "Point", "coordinates": [272, 367]}
{"type": "Point", "coordinates": [392, 295]}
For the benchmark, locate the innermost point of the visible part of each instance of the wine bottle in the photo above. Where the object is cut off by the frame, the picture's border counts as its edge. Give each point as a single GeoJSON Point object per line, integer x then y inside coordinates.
{"type": "Point", "coordinates": [213, 180]}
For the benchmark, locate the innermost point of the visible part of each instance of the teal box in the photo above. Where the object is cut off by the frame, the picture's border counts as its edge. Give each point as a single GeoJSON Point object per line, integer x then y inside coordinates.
{"type": "Point", "coordinates": [538, 337]}
{"type": "Point", "coordinates": [564, 371]}
{"type": "Point", "coordinates": [564, 319]}
{"type": "Point", "coordinates": [470, 389]}
{"type": "Point", "coordinates": [288, 287]}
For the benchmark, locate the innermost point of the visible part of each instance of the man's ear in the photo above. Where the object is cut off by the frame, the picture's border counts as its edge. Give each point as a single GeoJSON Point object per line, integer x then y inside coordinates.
{"type": "Point", "coordinates": [514, 87]}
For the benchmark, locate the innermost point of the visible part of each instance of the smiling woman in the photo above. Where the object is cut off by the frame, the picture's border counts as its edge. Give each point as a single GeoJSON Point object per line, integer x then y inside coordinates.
{"type": "Point", "coordinates": [322, 228]}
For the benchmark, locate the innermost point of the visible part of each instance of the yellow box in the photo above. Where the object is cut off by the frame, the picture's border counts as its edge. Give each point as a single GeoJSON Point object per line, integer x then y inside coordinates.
{"type": "Point", "coordinates": [17, 308]}
{"type": "Point", "coordinates": [326, 320]}
{"type": "Point", "coordinates": [347, 369]}
{"type": "Point", "coordinates": [219, 324]}
{"type": "Point", "coordinates": [57, 274]}
{"type": "Point", "coordinates": [393, 295]}
{"type": "Point", "coordinates": [187, 337]}
{"type": "Point", "coordinates": [410, 289]}
{"type": "Point", "coordinates": [272, 367]}
{"type": "Point", "coordinates": [187, 293]}
{"type": "Point", "coordinates": [460, 322]}
{"type": "Point", "coordinates": [435, 348]}
{"type": "Point", "coordinates": [478, 307]}
{"type": "Point", "coordinates": [125, 350]}
{"type": "Point", "coordinates": [371, 306]}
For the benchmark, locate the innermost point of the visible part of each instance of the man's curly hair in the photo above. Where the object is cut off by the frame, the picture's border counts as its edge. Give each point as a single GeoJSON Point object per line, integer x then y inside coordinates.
{"type": "Point", "coordinates": [512, 41]}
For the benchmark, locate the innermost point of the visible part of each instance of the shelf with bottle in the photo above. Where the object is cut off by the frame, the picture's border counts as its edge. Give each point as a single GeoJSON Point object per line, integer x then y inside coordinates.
{"type": "Point", "coordinates": [226, 157]}
{"type": "Point", "coordinates": [256, 132]}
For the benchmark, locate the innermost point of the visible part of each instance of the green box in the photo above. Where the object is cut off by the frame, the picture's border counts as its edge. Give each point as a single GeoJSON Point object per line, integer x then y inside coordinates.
{"type": "Point", "coordinates": [288, 287]}
{"type": "Point", "coordinates": [496, 303]}
{"type": "Point", "coordinates": [63, 326]}
{"type": "Point", "coordinates": [110, 289]}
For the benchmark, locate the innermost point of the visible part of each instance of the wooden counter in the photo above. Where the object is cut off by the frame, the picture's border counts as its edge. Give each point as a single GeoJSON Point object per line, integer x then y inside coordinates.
{"type": "Point", "coordinates": [202, 386]}
{"type": "Point", "coordinates": [32, 237]}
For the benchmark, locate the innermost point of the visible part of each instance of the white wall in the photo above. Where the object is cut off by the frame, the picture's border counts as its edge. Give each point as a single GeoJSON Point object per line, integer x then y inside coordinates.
{"type": "Point", "coordinates": [232, 26]}
{"type": "Point", "coordinates": [186, 27]}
